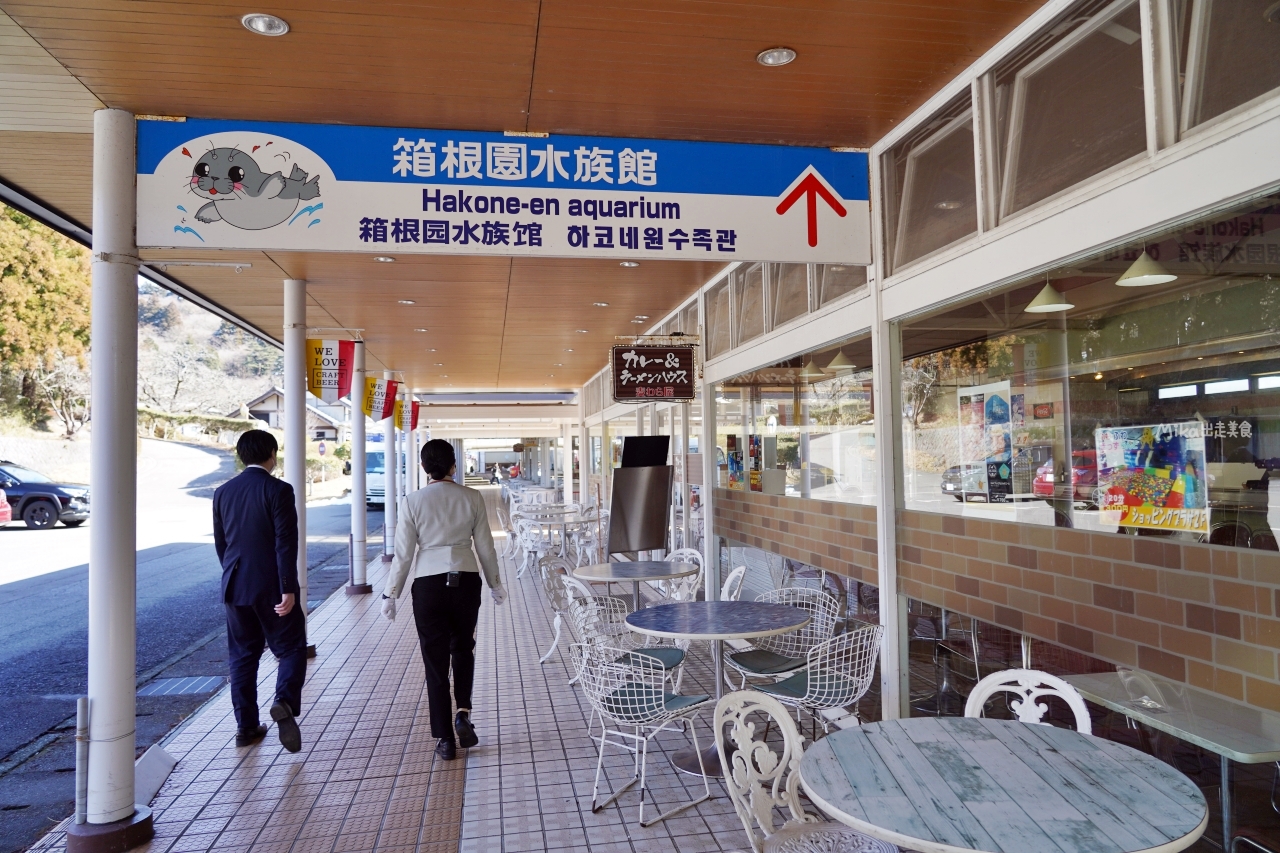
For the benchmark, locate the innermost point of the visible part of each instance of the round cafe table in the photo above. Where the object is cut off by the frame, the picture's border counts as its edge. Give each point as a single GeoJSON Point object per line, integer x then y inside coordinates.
{"type": "Point", "coordinates": [635, 572]}
{"type": "Point", "coordinates": [963, 784]}
{"type": "Point", "coordinates": [714, 621]}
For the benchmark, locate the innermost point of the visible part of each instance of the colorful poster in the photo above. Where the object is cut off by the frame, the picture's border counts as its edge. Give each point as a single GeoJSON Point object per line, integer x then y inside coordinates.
{"type": "Point", "coordinates": [380, 397]}
{"type": "Point", "coordinates": [1043, 411]}
{"type": "Point", "coordinates": [407, 419]}
{"type": "Point", "coordinates": [986, 439]}
{"type": "Point", "coordinates": [733, 456]}
{"type": "Point", "coordinates": [1153, 477]}
{"type": "Point", "coordinates": [329, 367]}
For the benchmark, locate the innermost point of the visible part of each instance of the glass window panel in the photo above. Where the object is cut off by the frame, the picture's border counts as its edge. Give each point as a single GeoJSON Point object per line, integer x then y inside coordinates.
{"type": "Point", "coordinates": [1140, 410]}
{"type": "Point", "coordinates": [1071, 103]}
{"type": "Point", "coordinates": [689, 319]}
{"type": "Point", "coordinates": [748, 293]}
{"type": "Point", "coordinates": [790, 286]}
{"type": "Point", "coordinates": [717, 309]}
{"type": "Point", "coordinates": [1233, 56]}
{"type": "Point", "coordinates": [931, 185]}
{"type": "Point", "coordinates": [835, 280]}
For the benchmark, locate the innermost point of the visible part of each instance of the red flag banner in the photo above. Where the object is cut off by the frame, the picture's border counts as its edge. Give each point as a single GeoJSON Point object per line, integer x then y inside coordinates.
{"type": "Point", "coordinates": [329, 368]}
{"type": "Point", "coordinates": [380, 398]}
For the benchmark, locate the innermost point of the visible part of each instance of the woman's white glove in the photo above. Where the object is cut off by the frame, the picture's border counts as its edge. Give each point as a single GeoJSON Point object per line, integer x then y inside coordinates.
{"type": "Point", "coordinates": [499, 595]}
{"type": "Point", "coordinates": [389, 609]}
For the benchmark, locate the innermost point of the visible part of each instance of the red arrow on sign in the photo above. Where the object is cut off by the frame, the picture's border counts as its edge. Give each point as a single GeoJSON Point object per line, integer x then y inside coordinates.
{"type": "Point", "coordinates": [811, 188]}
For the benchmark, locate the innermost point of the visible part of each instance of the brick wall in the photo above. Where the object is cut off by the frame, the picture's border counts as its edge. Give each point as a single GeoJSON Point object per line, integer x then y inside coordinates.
{"type": "Point", "coordinates": [1202, 614]}
{"type": "Point", "coordinates": [838, 537]}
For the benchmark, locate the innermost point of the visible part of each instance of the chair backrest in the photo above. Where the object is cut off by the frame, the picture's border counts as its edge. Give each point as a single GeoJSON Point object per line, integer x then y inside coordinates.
{"type": "Point", "coordinates": [554, 571]}
{"type": "Point", "coordinates": [762, 778]}
{"type": "Point", "coordinates": [840, 669]}
{"type": "Point", "coordinates": [732, 586]}
{"type": "Point", "coordinates": [684, 589]}
{"type": "Point", "coordinates": [1028, 685]}
{"type": "Point", "coordinates": [599, 620]}
{"type": "Point", "coordinates": [822, 610]}
{"type": "Point", "coordinates": [504, 519]}
{"type": "Point", "coordinates": [622, 687]}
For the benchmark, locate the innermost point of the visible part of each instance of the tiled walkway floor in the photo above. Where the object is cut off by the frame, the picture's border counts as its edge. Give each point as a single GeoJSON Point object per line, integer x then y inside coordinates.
{"type": "Point", "coordinates": [367, 778]}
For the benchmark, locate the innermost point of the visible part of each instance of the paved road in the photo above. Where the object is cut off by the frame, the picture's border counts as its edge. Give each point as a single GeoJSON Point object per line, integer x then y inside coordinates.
{"type": "Point", "coordinates": [43, 624]}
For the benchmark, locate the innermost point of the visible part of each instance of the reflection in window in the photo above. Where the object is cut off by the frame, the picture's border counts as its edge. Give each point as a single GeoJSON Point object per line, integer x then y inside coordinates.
{"type": "Point", "coordinates": [802, 427]}
{"type": "Point", "coordinates": [1232, 56]}
{"type": "Point", "coordinates": [1149, 411]}
{"type": "Point", "coordinates": [689, 318]}
{"type": "Point", "coordinates": [717, 308]}
{"type": "Point", "coordinates": [1071, 103]}
{"type": "Point", "coordinates": [748, 293]}
{"type": "Point", "coordinates": [930, 185]}
{"type": "Point", "coordinates": [789, 284]}
{"type": "Point", "coordinates": [836, 280]}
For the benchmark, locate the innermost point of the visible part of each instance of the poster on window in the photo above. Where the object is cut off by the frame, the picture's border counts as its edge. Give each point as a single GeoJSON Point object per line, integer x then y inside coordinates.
{"type": "Point", "coordinates": [986, 439]}
{"type": "Point", "coordinates": [1152, 477]}
{"type": "Point", "coordinates": [329, 366]}
{"type": "Point", "coordinates": [380, 397]}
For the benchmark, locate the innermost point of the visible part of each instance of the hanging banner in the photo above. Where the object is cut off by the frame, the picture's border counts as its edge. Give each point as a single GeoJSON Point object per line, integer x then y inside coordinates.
{"type": "Point", "coordinates": [380, 397]}
{"type": "Point", "coordinates": [300, 187]}
{"type": "Point", "coordinates": [329, 367]}
{"type": "Point", "coordinates": [407, 419]}
{"type": "Point", "coordinates": [642, 374]}
{"type": "Point", "coordinates": [1153, 477]}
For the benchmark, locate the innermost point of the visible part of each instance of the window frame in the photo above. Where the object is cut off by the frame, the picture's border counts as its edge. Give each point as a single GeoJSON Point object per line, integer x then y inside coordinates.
{"type": "Point", "coordinates": [909, 176]}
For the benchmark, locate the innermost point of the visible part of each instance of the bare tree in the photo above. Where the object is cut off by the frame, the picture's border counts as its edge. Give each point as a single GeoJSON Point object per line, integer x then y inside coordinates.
{"type": "Point", "coordinates": [65, 388]}
{"type": "Point", "coordinates": [919, 385]}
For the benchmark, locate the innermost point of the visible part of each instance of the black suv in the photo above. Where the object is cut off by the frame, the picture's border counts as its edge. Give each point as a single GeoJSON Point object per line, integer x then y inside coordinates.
{"type": "Point", "coordinates": [41, 502]}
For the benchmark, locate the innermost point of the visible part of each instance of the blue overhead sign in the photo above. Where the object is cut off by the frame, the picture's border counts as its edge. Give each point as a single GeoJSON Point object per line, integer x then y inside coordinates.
{"type": "Point", "coordinates": [252, 185]}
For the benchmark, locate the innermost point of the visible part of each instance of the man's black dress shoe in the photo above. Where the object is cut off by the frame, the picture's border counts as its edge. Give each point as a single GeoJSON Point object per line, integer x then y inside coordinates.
{"type": "Point", "coordinates": [290, 736]}
{"type": "Point", "coordinates": [446, 749]}
{"type": "Point", "coordinates": [466, 732]}
{"type": "Point", "coordinates": [248, 737]}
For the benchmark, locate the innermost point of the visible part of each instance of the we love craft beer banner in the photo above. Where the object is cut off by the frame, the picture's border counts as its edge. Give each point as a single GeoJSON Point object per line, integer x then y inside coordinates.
{"type": "Point", "coordinates": [380, 397]}
{"type": "Point", "coordinates": [329, 368]}
{"type": "Point", "coordinates": [407, 419]}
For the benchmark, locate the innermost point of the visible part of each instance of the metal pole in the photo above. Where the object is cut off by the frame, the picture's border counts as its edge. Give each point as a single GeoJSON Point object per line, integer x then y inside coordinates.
{"type": "Point", "coordinates": [295, 419]}
{"type": "Point", "coordinates": [686, 492]}
{"type": "Point", "coordinates": [584, 454]}
{"type": "Point", "coordinates": [406, 421]}
{"type": "Point", "coordinates": [460, 455]}
{"type": "Point", "coordinates": [390, 482]}
{"type": "Point", "coordinates": [82, 758]}
{"type": "Point", "coordinates": [710, 471]}
{"type": "Point", "coordinates": [359, 483]}
{"type": "Point", "coordinates": [886, 374]}
{"type": "Point", "coordinates": [113, 470]}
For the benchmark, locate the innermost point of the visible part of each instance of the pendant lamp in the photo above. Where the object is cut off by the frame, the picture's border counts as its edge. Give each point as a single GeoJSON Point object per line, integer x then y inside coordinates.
{"type": "Point", "coordinates": [840, 362]}
{"type": "Point", "coordinates": [1048, 301]}
{"type": "Point", "coordinates": [811, 372]}
{"type": "Point", "coordinates": [1145, 271]}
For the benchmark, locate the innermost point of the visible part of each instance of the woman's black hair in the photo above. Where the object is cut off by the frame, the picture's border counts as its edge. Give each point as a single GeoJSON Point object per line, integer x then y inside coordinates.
{"type": "Point", "coordinates": [437, 458]}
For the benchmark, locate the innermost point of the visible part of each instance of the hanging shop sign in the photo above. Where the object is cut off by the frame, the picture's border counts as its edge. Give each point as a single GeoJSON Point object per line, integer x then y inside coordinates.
{"type": "Point", "coordinates": [380, 397]}
{"type": "Point", "coordinates": [1153, 477]}
{"type": "Point", "coordinates": [644, 374]}
{"type": "Point", "coordinates": [407, 417]}
{"type": "Point", "coordinates": [298, 187]}
{"type": "Point", "coordinates": [329, 366]}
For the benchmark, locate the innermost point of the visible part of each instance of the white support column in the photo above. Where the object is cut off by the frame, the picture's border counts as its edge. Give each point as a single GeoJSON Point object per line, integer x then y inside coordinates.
{"type": "Point", "coordinates": [585, 494]}
{"type": "Point", "coordinates": [295, 417]}
{"type": "Point", "coordinates": [707, 447]}
{"type": "Point", "coordinates": [390, 482]}
{"type": "Point", "coordinates": [406, 443]}
{"type": "Point", "coordinates": [460, 457]}
{"type": "Point", "coordinates": [113, 474]}
{"type": "Point", "coordinates": [685, 492]}
{"type": "Point", "coordinates": [544, 460]}
{"type": "Point", "coordinates": [566, 460]}
{"type": "Point", "coordinates": [359, 495]}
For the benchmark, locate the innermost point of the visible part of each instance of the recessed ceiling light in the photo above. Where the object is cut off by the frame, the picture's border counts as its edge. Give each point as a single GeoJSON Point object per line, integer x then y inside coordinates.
{"type": "Point", "coordinates": [384, 259]}
{"type": "Point", "coordinates": [948, 205]}
{"type": "Point", "coordinates": [601, 304]}
{"type": "Point", "coordinates": [637, 320]}
{"type": "Point", "coordinates": [551, 376]}
{"type": "Point", "coordinates": [568, 350]}
{"type": "Point", "coordinates": [642, 316]}
{"type": "Point", "coordinates": [423, 330]}
{"type": "Point", "coordinates": [558, 364]}
{"type": "Point", "coordinates": [264, 25]}
{"type": "Point", "coordinates": [406, 302]}
{"type": "Point", "coordinates": [433, 349]}
{"type": "Point", "coordinates": [628, 264]}
{"type": "Point", "coordinates": [776, 56]}
{"type": "Point", "coordinates": [582, 331]}
{"type": "Point", "coordinates": [444, 376]}
{"type": "Point", "coordinates": [439, 364]}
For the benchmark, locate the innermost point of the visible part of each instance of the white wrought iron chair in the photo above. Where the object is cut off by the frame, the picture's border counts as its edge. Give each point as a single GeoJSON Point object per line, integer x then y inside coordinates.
{"type": "Point", "coordinates": [553, 571]}
{"type": "Point", "coordinates": [778, 656]}
{"type": "Point", "coordinates": [763, 780]}
{"type": "Point", "coordinates": [537, 540]}
{"type": "Point", "coordinates": [627, 692]}
{"type": "Point", "coordinates": [837, 674]}
{"type": "Point", "coordinates": [512, 546]}
{"type": "Point", "coordinates": [1029, 685]}
{"type": "Point", "coordinates": [683, 589]}
{"type": "Point", "coordinates": [731, 589]}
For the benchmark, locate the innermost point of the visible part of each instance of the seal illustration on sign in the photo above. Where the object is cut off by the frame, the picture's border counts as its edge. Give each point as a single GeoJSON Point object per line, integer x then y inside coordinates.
{"type": "Point", "coordinates": [241, 194]}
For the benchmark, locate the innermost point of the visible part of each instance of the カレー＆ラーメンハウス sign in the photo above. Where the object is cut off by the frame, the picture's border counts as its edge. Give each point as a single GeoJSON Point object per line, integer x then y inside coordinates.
{"type": "Point", "coordinates": [643, 374]}
{"type": "Point", "coordinates": [299, 187]}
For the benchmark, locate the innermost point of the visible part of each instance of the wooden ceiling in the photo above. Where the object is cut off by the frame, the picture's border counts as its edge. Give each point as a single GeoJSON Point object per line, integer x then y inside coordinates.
{"type": "Point", "coordinates": [680, 69]}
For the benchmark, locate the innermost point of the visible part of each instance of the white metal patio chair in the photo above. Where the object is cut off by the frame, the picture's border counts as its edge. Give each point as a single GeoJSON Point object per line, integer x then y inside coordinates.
{"type": "Point", "coordinates": [778, 656]}
{"type": "Point", "coordinates": [627, 692]}
{"type": "Point", "coordinates": [836, 675]}
{"type": "Point", "coordinates": [763, 780]}
{"type": "Point", "coordinates": [552, 571]}
{"type": "Point", "coordinates": [601, 621]}
{"type": "Point", "coordinates": [512, 545]}
{"type": "Point", "coordinates": [1028, 686]}
{"type": "Point", "coordinates": [687, 588]}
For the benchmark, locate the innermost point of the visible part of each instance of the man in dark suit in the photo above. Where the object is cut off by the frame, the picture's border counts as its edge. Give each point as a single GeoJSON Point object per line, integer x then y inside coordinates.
{"type": "Point", "coordinates": [255, 531]}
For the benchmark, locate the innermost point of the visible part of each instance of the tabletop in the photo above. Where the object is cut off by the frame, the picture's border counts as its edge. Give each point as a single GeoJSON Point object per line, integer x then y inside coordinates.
{"type": "Point", "coordinates": [717, 620]}
{"type": "Point", "coordinates": [960, 784]}
{"type": "Point", "coordinates": [1240, 732]}
{"type": "Point", "coordinates": [637, 570]}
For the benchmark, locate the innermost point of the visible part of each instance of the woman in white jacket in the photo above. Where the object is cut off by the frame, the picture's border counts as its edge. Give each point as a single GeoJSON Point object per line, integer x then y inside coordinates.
{"type": "Point", "coordinates": [438, 526]}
